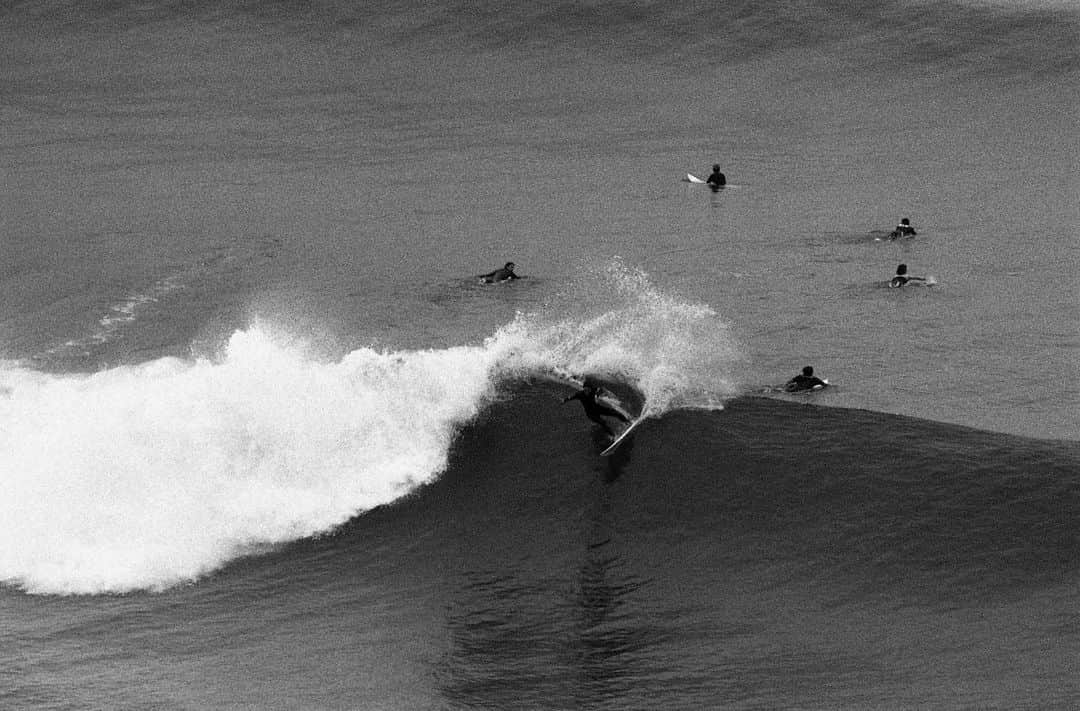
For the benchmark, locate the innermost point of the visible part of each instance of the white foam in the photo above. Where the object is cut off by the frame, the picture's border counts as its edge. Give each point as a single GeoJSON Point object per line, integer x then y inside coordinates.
{"type": "Point", "coordinates": [117, 317]}
{"type": "Point", "coordinates": [142, 477]}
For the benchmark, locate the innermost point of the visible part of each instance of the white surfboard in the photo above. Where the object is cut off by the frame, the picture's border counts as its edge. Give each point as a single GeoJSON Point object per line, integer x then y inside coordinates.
{"type": "Point", "coordinates": [623, 435]}
{"type": "Point", "coordinates": [693, 179]}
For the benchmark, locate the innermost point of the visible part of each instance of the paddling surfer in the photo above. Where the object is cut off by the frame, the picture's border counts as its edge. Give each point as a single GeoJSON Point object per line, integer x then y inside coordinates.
{"type": "Point", "coordinates": [506, 273]}
{"type": "Point", "coordinates": [805, 381]}
{"type": "Point", "coordinates": [902, 277]}
{"type": "Point", "coordinates": [595, 410]}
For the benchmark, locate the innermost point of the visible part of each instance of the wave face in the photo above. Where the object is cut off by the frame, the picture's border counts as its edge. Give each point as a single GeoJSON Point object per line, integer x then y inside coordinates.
{"type": "Point", "coordinates": [819, 544]}
{"type": "Point", "coordinates": [917, 511]}
{"type": "Point", "coordinates": [148, 475]}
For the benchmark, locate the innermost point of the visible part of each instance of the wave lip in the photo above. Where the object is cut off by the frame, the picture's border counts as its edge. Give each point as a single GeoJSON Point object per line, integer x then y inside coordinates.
{"type": "Point", "coordinates": [614, 322]}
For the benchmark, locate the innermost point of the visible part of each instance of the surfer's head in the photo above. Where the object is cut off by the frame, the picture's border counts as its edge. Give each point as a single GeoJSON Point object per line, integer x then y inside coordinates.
{"type": "Point", "coordinates": [808, 371]}
{"type": "Point", "coordinates": [716, 168]}
{"type": "Point", "coordinates": [902, 269]}
{"type": "Point", "coordinates": [509, 265]}
{"type": "Point", "coordinates": [904, 221]}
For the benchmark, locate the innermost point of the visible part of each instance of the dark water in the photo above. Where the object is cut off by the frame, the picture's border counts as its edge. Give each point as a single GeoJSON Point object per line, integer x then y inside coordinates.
{"type": "Point", "coordinates": [266, 443]}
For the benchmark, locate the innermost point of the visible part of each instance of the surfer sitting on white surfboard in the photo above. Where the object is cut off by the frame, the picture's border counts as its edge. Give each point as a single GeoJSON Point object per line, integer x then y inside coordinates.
{"type": "Point", "coordinates": [716, 179]}
{"type": "Point", "coordinates": [597, 411]}
{"type": "Point", "coordinates": [504, 274]}
{"type": "Point", "coordinates": [904, 229]}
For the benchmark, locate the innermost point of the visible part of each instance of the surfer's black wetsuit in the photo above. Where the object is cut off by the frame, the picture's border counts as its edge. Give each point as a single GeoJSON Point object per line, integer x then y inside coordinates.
{"type": "Point", "coordinates": [504, 274]}
{"type": "Point", "coordinates": [717, 179]}
{"type": "Point", "coordinates": [806, 380]}
{"type": "Point", "coordinates": [596, 411]}
{"type": "Point", "coordinates": [901, 278]}
{"type": "Point", "coordinates": [803, 382]}
{"type": "Point", "coordinates": [904, 229]}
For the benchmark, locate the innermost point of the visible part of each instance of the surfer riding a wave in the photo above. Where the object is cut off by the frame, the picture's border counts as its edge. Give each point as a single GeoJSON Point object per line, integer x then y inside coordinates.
{"type": "Point", "coordinates": [596, 410]}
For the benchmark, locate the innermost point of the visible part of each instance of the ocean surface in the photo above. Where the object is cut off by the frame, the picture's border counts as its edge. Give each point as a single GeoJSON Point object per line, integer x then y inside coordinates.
{"type": "Point", "coordinates": [267, 443]}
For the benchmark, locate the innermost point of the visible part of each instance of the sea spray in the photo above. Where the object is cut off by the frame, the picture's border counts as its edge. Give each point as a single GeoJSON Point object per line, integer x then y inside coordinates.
{"type": "Point", "coordinates": [613, 321]}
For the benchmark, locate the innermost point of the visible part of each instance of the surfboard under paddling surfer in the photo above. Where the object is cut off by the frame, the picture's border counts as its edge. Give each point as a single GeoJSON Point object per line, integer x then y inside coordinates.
{"type": "Point", "coordinates": [595, 410]}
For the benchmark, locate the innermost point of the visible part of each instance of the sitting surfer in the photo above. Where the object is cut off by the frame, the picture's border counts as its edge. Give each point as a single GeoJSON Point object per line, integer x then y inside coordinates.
{"type": "Point", "coordinates": [902, 277]}
{"type": "Point", "coordinates": [805, 381]}
{"type": "Point", "coordinates": [595, 410]}
{"type": "Point", "coordinates": [716, 180]}
{"type": "Point", "coordinates": [506, 273]}
{"type": "Point", "coordinates": [904, 229]}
